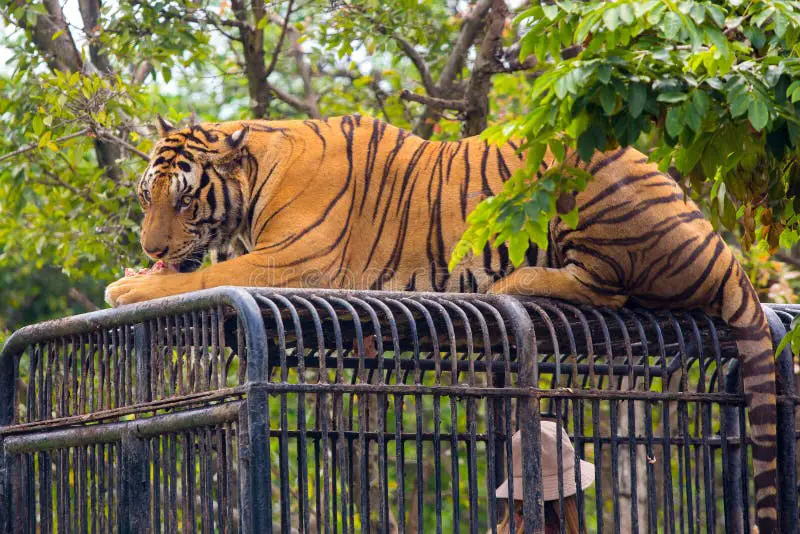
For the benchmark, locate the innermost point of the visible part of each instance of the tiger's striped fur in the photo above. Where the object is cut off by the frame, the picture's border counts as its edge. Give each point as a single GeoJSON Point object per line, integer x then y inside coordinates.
{"type": "Point", "coordinates": [352, 202]}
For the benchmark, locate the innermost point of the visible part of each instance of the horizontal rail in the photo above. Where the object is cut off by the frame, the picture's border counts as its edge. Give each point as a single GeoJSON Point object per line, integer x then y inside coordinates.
{"type": "Point", "coordinates": [112, 432]}
{"type": "Point", "coordinates": [510, 392]}
{"type": "Point", "coordinates": [653, 370]}
{"type": "Point", "coordinates": [145, 407]}
{"type": "Point", "coordinates": [713, 441]}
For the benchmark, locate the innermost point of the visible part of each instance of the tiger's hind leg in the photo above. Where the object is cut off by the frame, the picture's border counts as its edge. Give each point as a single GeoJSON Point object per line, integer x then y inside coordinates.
{"type": "Point", "coordinates": [570, 283]}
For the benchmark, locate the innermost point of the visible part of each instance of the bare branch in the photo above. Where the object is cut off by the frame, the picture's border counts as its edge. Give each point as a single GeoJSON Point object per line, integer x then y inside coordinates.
{"type": "Point", "coordinates": [80, 297]}
{"type": "Point", "coordinates": [469, 31]}
{"type": "Point", "coordinates": [140, 73]}
{"type": "Point", "coordinates": [90, 13]}
{"type": "Point", "coordinates": [446, 86]}
{"type": "Point", "coordinates": [252, 40]}
{"type": "Point", "coordinates": [108, 136]}
{"type": "Point", "coordinates": [274, 60]}
{"type": "Point", "coordinates": [432, 101]}
{"type": "Point", "coordinates": [293, 101]}
{"type": "Point", "coordinates": [32, 146]}
{"type": "Point", "coordinates": [422, 67]}
{"type": "Point", "coordinates": [303, 68]}
{"type": "Point", "coordinates": [486, 64]}
{"type": "Point", "coordinates": [785, 258]}
{"type": "Point", "coordinates": [60, 53]}
{"type": "Point", "coordinates": [412, 53]}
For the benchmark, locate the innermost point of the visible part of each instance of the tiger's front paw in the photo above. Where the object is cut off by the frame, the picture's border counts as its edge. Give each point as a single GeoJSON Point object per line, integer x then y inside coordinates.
{"type": "Point", "coordinates": [141, 287]}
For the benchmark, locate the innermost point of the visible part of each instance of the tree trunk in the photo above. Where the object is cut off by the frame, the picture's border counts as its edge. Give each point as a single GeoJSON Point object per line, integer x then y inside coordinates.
{"type": "Point", "coordinates": [252, 39]}
{"type": "Point", "coordinates": [480, 83]}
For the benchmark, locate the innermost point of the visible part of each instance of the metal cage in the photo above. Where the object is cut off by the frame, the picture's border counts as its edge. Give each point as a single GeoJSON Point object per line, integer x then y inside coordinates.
{"type": "Point", "coordinates": [266, 410]}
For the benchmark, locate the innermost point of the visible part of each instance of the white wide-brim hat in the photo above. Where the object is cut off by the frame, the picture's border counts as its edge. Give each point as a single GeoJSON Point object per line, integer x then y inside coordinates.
{"type": "Point", "coordinates": [549, 466]}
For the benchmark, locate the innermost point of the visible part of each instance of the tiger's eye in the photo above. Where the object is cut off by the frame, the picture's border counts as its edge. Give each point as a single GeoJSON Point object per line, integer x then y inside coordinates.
{"type": "Point", "coordinates": [185, 200]}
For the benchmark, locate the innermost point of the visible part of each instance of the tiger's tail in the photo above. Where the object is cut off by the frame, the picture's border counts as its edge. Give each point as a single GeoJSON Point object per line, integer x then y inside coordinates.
{"type": "Point", "coordinates": [739, 307]}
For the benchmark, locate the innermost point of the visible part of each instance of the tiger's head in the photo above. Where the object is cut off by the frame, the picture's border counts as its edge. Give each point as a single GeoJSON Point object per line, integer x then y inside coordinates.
{"type": "Point", "coordinates": [191, 200]}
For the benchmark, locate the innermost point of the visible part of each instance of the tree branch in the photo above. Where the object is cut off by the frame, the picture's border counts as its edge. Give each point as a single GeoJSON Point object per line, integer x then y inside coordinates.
{"type": "Point", "coordinates": [432, 101]}
{"type": "Point", "coordinates": [473, 22]}
{"type": "Point", "coordinates": [90, 13]}
{"type": "Point", "coordinates": [108, 136]}
{"type": "Point", "coordinates": [486, 64]}
{"type": "Point", "coordinates": [60, 53]}
{"type": "Point", "coordinates": [311, 99]}
{"type": "Point", "coordinates": [80, 297]}
{"type": "Point", "coordinates": [445, 86]}
{"type": "Point", "coordinates": [252, 40]}
{"type": "Point", "coordinates": [422, 67]}
{"type": "Point", "coordinates": [274, 60]}
{"type": "Point", "coordinates": [141, 71]}
{"type": "Point", "coordinates": [293, 101]}
{"type": "Point", "coordinates": [785, 258]}
{"type": "Point", "coordinates": [32, 146]}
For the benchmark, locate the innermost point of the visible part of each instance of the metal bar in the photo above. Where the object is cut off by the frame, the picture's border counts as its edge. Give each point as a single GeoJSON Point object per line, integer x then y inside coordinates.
{"type": "Point", "coordinates": [134, 501]}
{"type": "Point", "coordinates": [786, 443]}
{"type": "Point", "coordinates": [112, 432]}
{"type": "Point", "coordinates": [736, 508]}
{"type": "Point", "coordinates": [524, 334]}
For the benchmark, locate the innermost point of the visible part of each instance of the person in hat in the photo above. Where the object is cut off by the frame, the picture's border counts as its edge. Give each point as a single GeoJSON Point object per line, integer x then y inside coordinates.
{"type": "Point", "coordinates": [549, 466]}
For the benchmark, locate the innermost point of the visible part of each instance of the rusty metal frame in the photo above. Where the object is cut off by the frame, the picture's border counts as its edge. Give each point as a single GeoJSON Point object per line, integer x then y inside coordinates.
{"type": "Point", "coordinates": [592, 351]}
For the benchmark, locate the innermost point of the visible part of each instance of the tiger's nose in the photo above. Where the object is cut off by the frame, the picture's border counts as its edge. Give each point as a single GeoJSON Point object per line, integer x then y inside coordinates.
{"type": "Point", "coordinates": [156, 252]}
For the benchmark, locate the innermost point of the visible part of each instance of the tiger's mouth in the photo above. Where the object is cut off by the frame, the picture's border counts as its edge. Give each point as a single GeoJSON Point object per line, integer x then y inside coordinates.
{"type": "Point", "coordinates": [188, 264]}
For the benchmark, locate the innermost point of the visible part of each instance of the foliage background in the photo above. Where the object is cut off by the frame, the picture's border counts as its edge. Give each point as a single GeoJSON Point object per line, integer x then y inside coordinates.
{"type": "Point", "coordinates": [83, 80]}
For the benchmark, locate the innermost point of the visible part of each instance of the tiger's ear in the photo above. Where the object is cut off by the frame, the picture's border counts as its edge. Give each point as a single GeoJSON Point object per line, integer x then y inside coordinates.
{"type": "Point", "coordinates": [238, 138]}
{"type": "Point", "coordinates": [163, 126]}
{"type": "Point", "coordinates": [228, 148]}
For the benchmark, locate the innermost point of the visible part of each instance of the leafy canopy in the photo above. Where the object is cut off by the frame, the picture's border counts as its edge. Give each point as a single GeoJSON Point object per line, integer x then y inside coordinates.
{"type": "Point", "coordinates": [713, 87]}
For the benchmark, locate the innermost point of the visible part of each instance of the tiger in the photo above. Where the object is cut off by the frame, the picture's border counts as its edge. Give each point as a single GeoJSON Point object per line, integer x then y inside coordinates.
{"type": "Point", "coordinates": [352, 202]}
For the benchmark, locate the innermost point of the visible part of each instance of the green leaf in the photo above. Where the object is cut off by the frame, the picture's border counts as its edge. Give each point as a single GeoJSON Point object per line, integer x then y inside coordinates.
{"type": "Point", "coordinates": [693, 120]}
{"type": "Point", "coordinates": [739, 105]}
{"type": "Point", "coordinates": [570, 218]}
{"type": "Point", "coordinates": [716, 14]}
{"type": "Point", "coordinates": [674, 122]}
{"type": "Point", "coordinates": [672, 97]}
{"type": "Point", "coordinates": [550, 11]}
{"type": "Point", "coordinates": [700, 103]}
{"type": "Point", "coordinates": [608, 99]}
{"type": "Point", "coordinates": [56, 35]}
{"type": "Point", "coordinates": [637, 97]}
{"type": "Point", "coordinates": [587, 143]}
{"type": "Point", "coordinates": [45, 138]}
{"type": "Point", "coordinates": [518, 245]}
{"type": "Point", "coordinates": [558, 149]}
{"type": "Point", "coordinates": [698, 13]}
{"type": "Point", "coordinates": [604, 73]}
{"type": "Point", "coordinates": [781, 23]}
{"type": "Point", "coordinates": [758, 114]}
{"type": "Point", "coordinates": [528, 46]}
{"type": "Point", "coordinates": [611, 18]}
{"type": "Point", "coordinates": [671, 24]}
{"type": "Point", "coordinates": [718, 39]}
{"type": "Point", "coordinates": [626, 13]}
